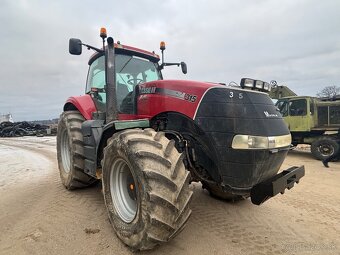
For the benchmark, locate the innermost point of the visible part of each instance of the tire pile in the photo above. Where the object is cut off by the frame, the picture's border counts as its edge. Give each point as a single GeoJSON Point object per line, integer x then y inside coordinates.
{"type": "Point", "coordinates": [9, 129]}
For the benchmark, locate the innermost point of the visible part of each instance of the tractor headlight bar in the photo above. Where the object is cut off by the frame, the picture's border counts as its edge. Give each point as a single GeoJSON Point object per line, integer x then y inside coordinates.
{"type": "Point", "coordinates": [255, 84]}
{"type": "Point", "coordinates": [260, 142]}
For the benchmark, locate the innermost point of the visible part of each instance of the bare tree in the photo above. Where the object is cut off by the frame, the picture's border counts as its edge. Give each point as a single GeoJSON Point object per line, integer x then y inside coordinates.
{"type": "Point", "coordinates": [329, 91]}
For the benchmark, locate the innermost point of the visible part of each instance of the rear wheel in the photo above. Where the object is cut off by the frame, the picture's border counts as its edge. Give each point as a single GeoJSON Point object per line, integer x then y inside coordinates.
{"type": "Point", "coordinates": [216, 191]}
{"type": "Point", "coordinates": [70, 151]}
{"type": "Point", "coordinates": [324, 147]}
{"type": "Point", "coordinates": [146, 188]}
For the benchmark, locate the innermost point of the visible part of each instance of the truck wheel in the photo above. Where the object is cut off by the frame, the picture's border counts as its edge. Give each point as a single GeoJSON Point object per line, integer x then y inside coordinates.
{"type": "Point", "coordinates": [216, 191]}
{"type": "Point", "coordinates": [70, 151]}
{"type": "Point", "coordinates": [146, 188]}
{"type": "Point", "coordinates": [324, 147]}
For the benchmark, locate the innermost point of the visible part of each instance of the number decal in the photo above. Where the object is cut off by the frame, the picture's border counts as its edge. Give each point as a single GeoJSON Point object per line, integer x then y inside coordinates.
{"type": "Point", "coordinates": [233, 94]}
{"type": "Point", "coordinates": [190, 98]}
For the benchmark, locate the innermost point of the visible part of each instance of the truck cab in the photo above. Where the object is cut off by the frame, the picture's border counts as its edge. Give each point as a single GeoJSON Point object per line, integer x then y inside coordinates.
{"type": "Point", "coordinates": [298, 113]}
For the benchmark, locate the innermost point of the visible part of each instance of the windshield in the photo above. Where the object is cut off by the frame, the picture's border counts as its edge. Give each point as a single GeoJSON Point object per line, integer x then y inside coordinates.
{"type": "Point", "coordinates": [130, 71]}
{"type": "Point", "coordinates": [282, 105]}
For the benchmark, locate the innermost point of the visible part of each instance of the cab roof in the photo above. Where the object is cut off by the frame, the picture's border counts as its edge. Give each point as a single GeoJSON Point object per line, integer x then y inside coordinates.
{"type": "Point", "coordinates": [129, 50]}
{"type": "Point", "coordinates": [294, 97]}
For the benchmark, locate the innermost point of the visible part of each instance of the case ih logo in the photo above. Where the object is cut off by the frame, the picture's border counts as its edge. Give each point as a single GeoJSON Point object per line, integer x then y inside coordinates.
{"type": "Point", "coordinates": [149, 90]}
{"type": "Point", "coordinates": [169, 92]}
{"type": "Point", "coordinates": [270, 115]}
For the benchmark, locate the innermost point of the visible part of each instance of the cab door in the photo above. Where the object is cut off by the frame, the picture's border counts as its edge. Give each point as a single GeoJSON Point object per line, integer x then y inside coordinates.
{"type": "Point", "coordinates": [298, 118]}
{"type": "Point", "coordinates": [95, 85]}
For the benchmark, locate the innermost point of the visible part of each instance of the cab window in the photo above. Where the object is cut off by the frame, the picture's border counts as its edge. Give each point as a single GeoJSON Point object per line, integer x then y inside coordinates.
{"type": "Point", "coordinates": [298, 107]}
{"type": "Point", "coordinates": [96, 78]}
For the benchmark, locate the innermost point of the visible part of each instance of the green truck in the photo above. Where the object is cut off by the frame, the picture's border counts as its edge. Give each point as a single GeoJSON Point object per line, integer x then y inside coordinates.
{"type": "Point", "coordinates": [311, 120]}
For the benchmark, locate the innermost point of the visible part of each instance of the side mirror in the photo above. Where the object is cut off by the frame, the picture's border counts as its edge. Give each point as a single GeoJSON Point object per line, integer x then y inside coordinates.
{"type": "Point", "coordinates": [75, 46]}
{"type": "Point", "coordinates": [184, 67]}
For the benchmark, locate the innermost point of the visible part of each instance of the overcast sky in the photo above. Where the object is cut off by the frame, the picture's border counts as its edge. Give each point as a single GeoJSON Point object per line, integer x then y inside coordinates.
{"type": "Point", "coordinates": [295, 42]}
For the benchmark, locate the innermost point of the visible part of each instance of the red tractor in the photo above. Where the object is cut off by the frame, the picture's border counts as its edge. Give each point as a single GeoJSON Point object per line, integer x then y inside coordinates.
{"type": "Point", "coordinates": [147, 139]}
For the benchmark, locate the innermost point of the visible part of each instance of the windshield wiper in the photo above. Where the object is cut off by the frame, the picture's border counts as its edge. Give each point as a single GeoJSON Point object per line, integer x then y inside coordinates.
{"type": "Point", "coordinates": [127, 62]}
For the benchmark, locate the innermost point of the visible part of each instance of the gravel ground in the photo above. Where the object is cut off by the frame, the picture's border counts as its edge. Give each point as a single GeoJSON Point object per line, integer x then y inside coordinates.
{"type": "Point", "coordinates": [38, 216]}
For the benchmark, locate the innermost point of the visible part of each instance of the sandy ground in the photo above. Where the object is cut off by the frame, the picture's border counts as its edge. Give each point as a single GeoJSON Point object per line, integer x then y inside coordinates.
{"type": "Point", "coordinates": [38, 216]}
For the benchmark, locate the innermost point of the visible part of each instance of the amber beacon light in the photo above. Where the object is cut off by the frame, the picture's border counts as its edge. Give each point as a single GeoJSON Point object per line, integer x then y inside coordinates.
{"type": "Point", "coordinates": [103, 33]}
{"type": "Point", "coordinates": [162, 46]}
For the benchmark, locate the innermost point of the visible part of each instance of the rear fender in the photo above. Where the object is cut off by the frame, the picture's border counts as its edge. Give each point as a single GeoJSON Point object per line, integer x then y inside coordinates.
{"type": "Point", "coordinates": [84, 104]}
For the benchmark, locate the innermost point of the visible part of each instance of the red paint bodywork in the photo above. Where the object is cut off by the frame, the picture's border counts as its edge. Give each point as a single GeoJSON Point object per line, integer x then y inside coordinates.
{"type": "Point", "coordinates": [153, 104]}
{"type": "Point", "coordinates": [149, 105]}
{"type": "Point", "coordinates": [132, 49]}
{"type": "Point", "coordinates": [136, 50]}
{"type": "Point", "coordinates": [84, 104]}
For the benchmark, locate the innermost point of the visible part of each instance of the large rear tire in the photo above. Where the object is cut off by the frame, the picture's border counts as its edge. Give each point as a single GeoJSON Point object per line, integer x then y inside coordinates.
{"type": "Point", "coordinates": [146, 188]}
{"type": "Point", "coordinates": [70, 151]}
{"type": "Point", "coordinates": [324, 147]}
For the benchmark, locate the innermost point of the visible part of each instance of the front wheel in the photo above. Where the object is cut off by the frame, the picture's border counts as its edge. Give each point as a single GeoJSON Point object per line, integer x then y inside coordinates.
{"type": "Point", "coordinates": [324, 147]}
{"type": "Point", "coordinates": [146, 188]}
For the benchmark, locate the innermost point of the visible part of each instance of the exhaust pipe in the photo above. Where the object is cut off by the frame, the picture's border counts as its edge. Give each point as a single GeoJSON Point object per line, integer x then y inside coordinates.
{"type": "Point", "coordinates": [110, 72]}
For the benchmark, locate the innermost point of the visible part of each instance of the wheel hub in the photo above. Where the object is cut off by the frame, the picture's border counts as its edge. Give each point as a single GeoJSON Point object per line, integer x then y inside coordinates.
{"type": "Point", "coordinates": [326, 150]}
{"type": "Point", "coordinates": [123, 190]}
{"type": "Point", "coordinates": [65, 151]}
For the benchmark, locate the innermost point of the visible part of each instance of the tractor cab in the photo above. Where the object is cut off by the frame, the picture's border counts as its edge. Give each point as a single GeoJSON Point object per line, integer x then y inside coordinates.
{"type": "Point", "coordinates": [131, 70]}
{"type": "Point", "coordinates": [115, 71]}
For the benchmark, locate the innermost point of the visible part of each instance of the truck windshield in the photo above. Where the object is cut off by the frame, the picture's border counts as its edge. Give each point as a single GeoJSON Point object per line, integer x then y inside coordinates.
{"type": "Point", "coordinates": [282, 105]}
{"type": "Point", "coordinates": [130, 71]}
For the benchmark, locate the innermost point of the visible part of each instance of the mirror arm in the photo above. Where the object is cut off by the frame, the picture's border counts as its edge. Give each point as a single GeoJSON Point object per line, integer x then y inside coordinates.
{"type": "Point", "coordinates": [161, 67]}
{"type": "Point", "coordinates": [89, 47]}
{"type": "Point", "coordinates": [171, 64]}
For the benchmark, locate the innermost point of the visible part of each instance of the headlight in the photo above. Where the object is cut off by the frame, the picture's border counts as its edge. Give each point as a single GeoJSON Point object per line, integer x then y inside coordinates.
{"type": "Point", "coordinates": [260, 142]}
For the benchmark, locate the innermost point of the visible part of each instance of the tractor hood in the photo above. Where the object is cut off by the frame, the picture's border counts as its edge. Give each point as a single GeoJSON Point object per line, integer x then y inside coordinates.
{"type": "Point", "coordinates": [172, 95]}
{"type": "Point", "coordinates": [209, 99]}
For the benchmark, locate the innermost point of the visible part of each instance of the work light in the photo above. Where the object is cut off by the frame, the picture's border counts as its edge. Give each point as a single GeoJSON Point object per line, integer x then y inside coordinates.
{"type": "Point", "coordinates": [267, 86]}
{"type": "Point", "coordinates": [248, 83]}
{"type": "Point", "coordinates": [259, 85]}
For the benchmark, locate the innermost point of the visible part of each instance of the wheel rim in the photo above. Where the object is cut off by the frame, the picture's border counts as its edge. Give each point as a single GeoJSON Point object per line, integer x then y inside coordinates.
{"type": "Point", "coordinates": [65, 151]}
{"type": "Point", "coordinates": [123, 190]}
{"type": "Point", "coordinates": [326, 150]}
